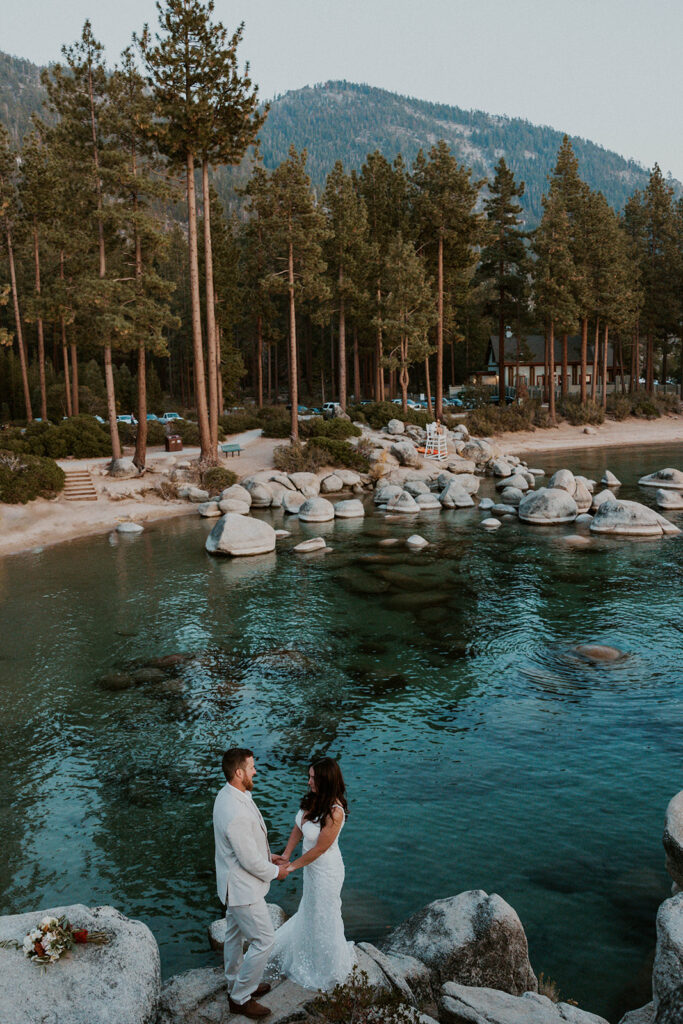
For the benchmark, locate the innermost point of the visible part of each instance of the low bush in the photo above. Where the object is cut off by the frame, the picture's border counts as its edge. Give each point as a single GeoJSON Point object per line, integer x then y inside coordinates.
{"type": "Point", "coordinates": [618, 406]}
{"type": "Point", "coordinates": [475, 396]}
{"type": "Point", "coordinates": [269, 412]}
{"type": "Point", "coordinates": [238, 422]}
{"type": "Point", "coordinates": [25, 477]}
{"type": "Point", "coordinates": [645, 406]}
{"type": "Point", "coordinates": [668, 402]}
{"type": "Point", "coordinates": [217, 478]}
{"type": "Point", "coordinates": [277, 426]}
{"type": "Point", "coordinates": [378, 414]}
{"type": "Point", "coordinates": [187, 430]}
{"type": "Point", "coordinates": [577, 413]}
{"type": "Point", "coordinates": [357, 1002]}
{"type": "Point", "coordinates": [318, 427]}
{"type": "Point", "coordinates": [339, 453]}
{"type": "Point", "coordinates": [491, 419]}
{"type": "Point", "coordinates": [298, 458]}
{"type": "Point", "coordinates": [81, 436]}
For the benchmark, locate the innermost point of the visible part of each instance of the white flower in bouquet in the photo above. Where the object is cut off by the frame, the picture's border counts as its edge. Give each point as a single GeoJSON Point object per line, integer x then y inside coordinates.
{"type": "Point", "coordinates": [49, 922]}
{"type": "Point", "coordinates": [35, 934]}
{"type": "Point", "coordinates": [29, 943]}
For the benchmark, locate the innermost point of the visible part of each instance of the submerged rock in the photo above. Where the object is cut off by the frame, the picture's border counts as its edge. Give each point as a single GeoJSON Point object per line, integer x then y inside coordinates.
{"type": "Point", "coordinates": [316, 510]}
{"type": "Point", "coordinates": [115, 681]}
{"type": "Point", "coordinates": [490, 524]}
{"type": "Point", "coordinates": [313, 544]}
{"type": "Point", "coordinates": [416, 541]}
{"type": "Point", "coordinates": [237, 535]}
{"type": "Point", "coordinates": [548, 505]}
{"type": "Point", "coordinates": [472, 938]}
{"type": "Point", "coordinates": [599, 652]}
{"type": "Point", "coordinates": [669, 499]}
{"type": "Point", "coordinates": [129, 528]}
{"type": "Point", "coordinates": [117, 983]}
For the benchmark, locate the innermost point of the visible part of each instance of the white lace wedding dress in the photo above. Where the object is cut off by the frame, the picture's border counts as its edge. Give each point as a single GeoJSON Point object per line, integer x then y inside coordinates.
{"type": "Point", "coordinates": [311, 948]}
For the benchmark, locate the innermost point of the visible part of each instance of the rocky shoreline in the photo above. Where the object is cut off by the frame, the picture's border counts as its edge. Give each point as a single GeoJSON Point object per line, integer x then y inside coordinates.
{"type": "Point", "coordinates": [459, 960]}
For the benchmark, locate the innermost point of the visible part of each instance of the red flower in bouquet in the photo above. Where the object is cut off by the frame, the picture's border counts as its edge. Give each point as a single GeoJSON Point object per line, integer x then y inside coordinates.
{"type": "Point", "coordinates": [80, 935]}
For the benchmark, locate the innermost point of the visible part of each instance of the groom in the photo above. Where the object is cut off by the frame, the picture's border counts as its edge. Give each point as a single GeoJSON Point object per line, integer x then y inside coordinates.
{"type": "Point", "coordinates": [244, 871]}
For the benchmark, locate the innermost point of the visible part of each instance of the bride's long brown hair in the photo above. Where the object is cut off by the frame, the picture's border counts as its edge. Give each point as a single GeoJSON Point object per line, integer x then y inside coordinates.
{"type": "Point", "coordinates": [330, 789]}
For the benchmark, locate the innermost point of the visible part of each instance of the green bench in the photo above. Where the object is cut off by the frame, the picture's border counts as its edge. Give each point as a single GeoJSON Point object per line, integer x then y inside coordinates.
{"type": "Point", "coordinates": [230, 449]}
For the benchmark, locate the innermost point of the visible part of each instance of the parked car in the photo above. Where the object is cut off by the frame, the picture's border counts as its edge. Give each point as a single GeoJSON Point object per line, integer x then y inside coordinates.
{"type": "Point", "coordinates": [126, 419]}
{"type": "Point", "coordinates": [328, 409]}
{"type": "Point", "coordinates": [152, 418]}
{"type": "Point", "coordinates": [169, 417]}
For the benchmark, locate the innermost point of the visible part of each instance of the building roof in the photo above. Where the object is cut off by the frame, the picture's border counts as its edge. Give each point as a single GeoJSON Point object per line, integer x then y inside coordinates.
{"type": "Point", "coordinates": [532, 350]}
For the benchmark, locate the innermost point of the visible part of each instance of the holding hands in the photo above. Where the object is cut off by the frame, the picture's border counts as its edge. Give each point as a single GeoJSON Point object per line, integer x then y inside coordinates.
{"type": "Point", "coordinates": [283, 863]}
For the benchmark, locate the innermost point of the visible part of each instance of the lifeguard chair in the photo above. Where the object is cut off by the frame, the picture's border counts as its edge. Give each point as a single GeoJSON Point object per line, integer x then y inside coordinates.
{"type": "Point", "coordinates": [436, 446]}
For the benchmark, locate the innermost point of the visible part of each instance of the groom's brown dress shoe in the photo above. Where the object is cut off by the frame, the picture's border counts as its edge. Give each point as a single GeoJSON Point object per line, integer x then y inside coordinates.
{"type": "Point", "coordinates": [249, 1009]}
{"type": "Point", "coordinates": [261, 990]}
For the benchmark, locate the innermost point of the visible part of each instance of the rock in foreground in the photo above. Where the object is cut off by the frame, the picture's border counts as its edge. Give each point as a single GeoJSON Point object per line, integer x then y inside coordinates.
{"type": "Point", "coordinates": [463, 1004]}
{"type": "Point", "coordinates": [673, 838]}
{"type": "Point", "coordinates": [237, 535]}
{"type": "Point", "coordinates": [668, 967]}
{"type": "Point", "coordinates": [630, 519]}
{"type": "Point", "coordinates": [472, 938]}
{"type": "Point", "coordinates": [548, 506]}
{"type": "Point", "coordinates": [118, 983]}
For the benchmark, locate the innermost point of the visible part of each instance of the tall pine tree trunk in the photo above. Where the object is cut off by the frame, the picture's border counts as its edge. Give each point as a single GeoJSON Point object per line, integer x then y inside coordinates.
{"type": "Point", "coordinates": [108, 372]}
{"type": "Point", "coordinates": [17, 320]}
{"type": "Point", "coordinates": [259, 362]}
{"type": "Point", "coordinates": [74, 376]}
{"type": "Point", "coordinates": [207, 454]}
{"type": "Point", "coordinates": [379, 369]}
{"type": "Point", "coordinates": [621, 364]}
{"type": "Point", "coordinates": [293, 374]}
{"type": "Point", "coordinates": [650, 369]}
{"type": "Point", "coordinates": [140, 456]}
{"type": "Point", "coordinates": [596, 346]}
{"type": "Point", "coordinates": [551, 380]}
{"type": "Point", "coordinates": [429, 390]}
{"type": "Point", "coordinates": [65, 356]}
{"type": "Point", "coordinates": [584, 358]}
{"type": "Point", "coordinates": [403, 377]}
{"type": "Point", "coordinates": [604, 366]}
{"type": "Point", "coordinates": [565, 366]}
{"type": "Point", "coordinates": [356, 367]}
{"type": "Point", "coordinates": [211, 333]}
{"type": "Point", "coordinates": [342, 343]}
{"type": "Point", "coordinates": [219, 375]}
{"type": "Point", "coordinates": [39, 327]}
{"type": "Point", "coordinates": [439, 342]}
{"type": "Point", "coordinates": [501, 344]}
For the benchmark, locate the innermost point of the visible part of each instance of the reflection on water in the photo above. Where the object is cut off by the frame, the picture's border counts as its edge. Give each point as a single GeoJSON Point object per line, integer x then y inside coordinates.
{"type": "Point", "coordinates": [481, 749]}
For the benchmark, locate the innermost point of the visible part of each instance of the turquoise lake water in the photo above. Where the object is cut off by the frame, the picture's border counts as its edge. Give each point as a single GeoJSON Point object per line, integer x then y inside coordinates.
{"type": "Point", "coordinates": [479, 750]}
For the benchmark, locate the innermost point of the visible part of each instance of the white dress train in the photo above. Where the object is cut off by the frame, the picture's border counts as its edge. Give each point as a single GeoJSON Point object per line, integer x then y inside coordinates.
{"type": "Point", "coordinates": [311, 948]}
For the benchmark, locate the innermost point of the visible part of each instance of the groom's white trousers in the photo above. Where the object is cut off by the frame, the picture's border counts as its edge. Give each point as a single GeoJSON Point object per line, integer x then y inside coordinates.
{"type": "Point", "coordinates": [243, 971]}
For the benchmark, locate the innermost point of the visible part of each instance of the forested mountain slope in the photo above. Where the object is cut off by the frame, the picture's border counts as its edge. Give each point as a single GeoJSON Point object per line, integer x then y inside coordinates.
{"type": "Point", "coordinates": [343, 121]}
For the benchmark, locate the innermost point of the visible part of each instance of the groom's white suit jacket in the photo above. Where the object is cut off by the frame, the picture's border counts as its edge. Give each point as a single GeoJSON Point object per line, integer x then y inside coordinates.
{"type": "Point", "coordinates": [244, 869]}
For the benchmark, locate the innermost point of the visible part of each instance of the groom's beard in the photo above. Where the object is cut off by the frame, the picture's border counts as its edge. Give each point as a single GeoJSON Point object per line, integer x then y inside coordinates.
{"type": "Point", "coordinates": [249, 785]}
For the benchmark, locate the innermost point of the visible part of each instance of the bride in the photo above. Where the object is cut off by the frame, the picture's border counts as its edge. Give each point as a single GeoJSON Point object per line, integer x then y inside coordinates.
{"type": "Point", "coordinates": [311, 948]}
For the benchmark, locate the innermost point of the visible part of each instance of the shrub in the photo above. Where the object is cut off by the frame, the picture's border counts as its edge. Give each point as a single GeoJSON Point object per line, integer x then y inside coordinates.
{"type": "Point", "coordinates": [645, 406]}
{"type": "Point", "coordinates": [339, 453]}
{"type": "Point", "coordinates": [217, 478]}
{"type": "Point", "coordinates": [25, 477]}
{"type": "Point", "coordinates": [492, 419]}
{"type": "Point", "coordinates": [576, 413]}
{"type": "Point", "coordinates": [298, 458]}
{"type": "Point", "coordinates": [81, 436]}
{"type": "Point", "coordinates": [277, 426]}
{"type": "Point", "coordinates": [618, 406]}
{"type": "Point", "coordinates": [156, 432]}
{"type": "Point", "coordinates": [475, 396]}
{"type": "Point", "coordinates": [668, 402]}
{"type": "Point", "coordinates": [378, 414]}
{"type": "Point", "coordinates": [357, 1002]}
{"type": "Point", "coordinates": [187, 430]}
{"type": "Point", "coordinates": [318, 427]}
{"type": "Point", "coordinates": [238, 422]}
{"type": "Point", "coordinates": [269, 412]}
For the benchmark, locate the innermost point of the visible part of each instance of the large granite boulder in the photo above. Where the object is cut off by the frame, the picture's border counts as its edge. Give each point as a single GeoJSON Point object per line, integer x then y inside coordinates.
{"type": "Point", "coordinates": [517, 480]}
{"type": "Point", "coordinates": [331, 484]}
{"type": "Point", "coordinates": [630, 519]}
{"type": "Point", "coordinates": [209, 509]}
{"type": "Point", "coordinates": [194, 494]}
{"type": "Point", "coordinates": [236, 493]}
{"type": "Point", "coordinates": [403, 502]}
{"type": "Point", "coordinates": [468, 482]}
{"type": "Point", "coordinates": [237, 535]}
{"type": "Point", "coordinates": [428, 502]}
{"type": "Point", "coordinates": [123, 469]}
{"type": "Point", "coordinates": [667, 972]}
{"type": "Point", "coordinates": [472, 938]}
{"type": "Point", "coordinates": [669, 499]}
{"type": "Point", "coordinates": [277, 491]}
{"type": "Point", "coordinates": [667, 478]}
{"type": "Point", "coordinates": [501, 467]}
{"type": "Point", "coordinates": [385, 492]}
{"type": "Point", "coordinates": [261, 494]}
{"type": "Point", "coordinates": [564, 479]}
{"type": "Point", "coordinates": [582, 496]}
{"type": "Point", "coordinates": [547, 506]}
{"type": "Point", "coordinates": [512, 496]}
{"type": "Point", "coordinates": [609, 479]}
{"type": "Point", "coordinates": [316, 510]}
{"type": "Point", "coordinates": [233, 505]}
{"type": "Point", "coordinates": [457, 464]}
{"type": "Point", "coordinates": [349, 477]}
{"type": "Point", "coordinates": [199, 997]}
{"type": "Point", "coordinates": [643, 1015]}
{"type": "Point", "coordinates": [477, 450]}
{"type": "Point", "coordinates": [292, 502]}
{"type": "Point", "coordinates": [455, 496]}
{"type": "Point", "coordinates": [465, 1004]}
{"type": "Point", "coordinates": [601, 497]}
{"type": "Point", "coordinates": [352, 508]}
{"type": "Point", "coordinates": [416, 487]}
{"type": "Point", "coordinates": [307, 483]}
{"type": "Point", "coordinates": [406, 453]}
{"type": "Point", "coordinates": [396, 427]}
{"type": "Point", "coordinates": [407, 975]}
{"type": "Point", "coordinates": [670, 1009]}
{"type": "Point", "coordinates": [118, 983]}
{"type": "Point", "coordinates": [673, 839]}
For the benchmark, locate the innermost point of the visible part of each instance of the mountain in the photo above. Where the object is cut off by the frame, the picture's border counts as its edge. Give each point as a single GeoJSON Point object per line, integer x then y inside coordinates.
{"type": "Point", "coordinates": [344, 121]}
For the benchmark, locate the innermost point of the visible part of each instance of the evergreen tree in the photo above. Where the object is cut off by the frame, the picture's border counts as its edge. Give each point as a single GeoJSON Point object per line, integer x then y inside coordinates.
{"type": "Point", "coordinates": [445, 198]}
{"type": "Point", "coordinates": [504, 262]}
{"type": "Point", "coordinates": [345, 252]}
{"type": "Point", "coordinates": [255, 266]}
{"type": "Point", "coordinates": [9, 214]}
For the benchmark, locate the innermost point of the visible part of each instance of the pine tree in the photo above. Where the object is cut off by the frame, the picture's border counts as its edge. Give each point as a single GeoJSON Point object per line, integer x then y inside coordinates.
{"type": "Point", "coordinates": [345, 252]}
{"type": "Point", "coordinates": [255, 266]}
{"type": "Point", "coordinates": [407, 312]}
{"type": "Point", "coordinates": [554, 279]}
{"type": "Point", "coordinates": [9, 214]}
{"type": "Point", "coordinates": [297, 231]}
{"type": "Point", "coordinates": [504, 262]}
{"type": "Point", "coordinates": [444, 200]}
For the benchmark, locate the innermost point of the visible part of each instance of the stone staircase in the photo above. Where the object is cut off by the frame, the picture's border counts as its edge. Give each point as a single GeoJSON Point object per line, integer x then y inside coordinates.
{"type": "Point", "coordinates": [79, 486]}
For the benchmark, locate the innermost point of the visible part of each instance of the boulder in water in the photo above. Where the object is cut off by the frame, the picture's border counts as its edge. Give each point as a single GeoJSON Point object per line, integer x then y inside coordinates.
{"type": "Point", "coordinates": [669, 499]}
{"type": "Point", "coordinates": [667, 478]}
{"type": "Point", "coordinates": [316, 510]}
{"type": "Point", "coordinates": [428, 502]}
{"type": "Point", "coordinates": [600, 497]}
{"type": "Point", "coordinates": [331, 484]}
{"type": "Point", "coordinates": [599, 652]}
{"type": "Point", "coordinates": [564, 479]}
{"type": "Point", "coordinates": [236, 493]}
{"type": "Point", "coordinates": [237, 536]}
{"type": "Point", "coordinates": [403, 502]}
{"type": "Point", "coordinates": [385, 492]}
{"type": "Point", "coordinates": [512, 496]}
{"type": "Point", "coordinates": [129, 528]}
{"type": "Point", "coordinates": [416, 541]}
{"type": "Point", "coordinates": [233, 505]}
{"type": "Point", "coordinates": [307, 483]}
{"type": "Point", "coordinates": [610, 480]}
{"type": "Point", "coordinates": [548, 506]}
{"type": "Point", "coordinates": [517, 480]}
{"type": "Point", "coordinates": [630, 519]}
{"type": "Point", "coordinates": [455, 496]}
{"type": "Point", "coordinates": [490, 524]}
{"type": "Point", "coordinates": [312, 544]}
{"type": "Point", "coordinates": [261, 494]}
{"type": "Point", "coordinates": [582, 496]}
{"type": "Point", "coordinates": [352, 508]}
{"type": "Point", "coordinates": [292, 502]}
{"type": "Point", "coordinates": [209, 509]}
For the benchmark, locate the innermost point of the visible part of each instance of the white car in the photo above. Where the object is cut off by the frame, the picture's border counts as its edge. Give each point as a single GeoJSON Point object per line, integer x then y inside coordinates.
{"type": "Point", "coordinates": [169, 417]}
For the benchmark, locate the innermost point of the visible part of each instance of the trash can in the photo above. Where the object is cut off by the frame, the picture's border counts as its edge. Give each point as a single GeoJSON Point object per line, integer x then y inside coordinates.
{"type": "Point", "coordinates": [174, 443]}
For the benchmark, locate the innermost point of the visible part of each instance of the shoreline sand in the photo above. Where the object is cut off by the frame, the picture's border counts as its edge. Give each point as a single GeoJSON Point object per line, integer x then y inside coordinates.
{"type": "Point", "coordinates": [42, 523]}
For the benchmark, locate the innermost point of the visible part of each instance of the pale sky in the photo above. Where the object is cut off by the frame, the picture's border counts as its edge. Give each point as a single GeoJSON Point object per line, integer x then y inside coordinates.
{"type": "Point", "coordinates": [608, 70]}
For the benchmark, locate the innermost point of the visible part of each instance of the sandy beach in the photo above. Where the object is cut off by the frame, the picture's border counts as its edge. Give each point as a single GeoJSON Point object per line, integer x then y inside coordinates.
{"type": "Point", "coordinates": [41, 523]}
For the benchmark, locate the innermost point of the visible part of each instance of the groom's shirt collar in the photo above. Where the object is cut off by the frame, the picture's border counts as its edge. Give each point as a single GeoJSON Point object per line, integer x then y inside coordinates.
{"type": "Point", "coordinates": [242, 795]}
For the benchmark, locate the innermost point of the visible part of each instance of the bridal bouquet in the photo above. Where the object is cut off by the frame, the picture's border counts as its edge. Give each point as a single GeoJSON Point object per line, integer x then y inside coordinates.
{"type": "Point", "coordinates": [53, 937]}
